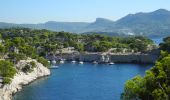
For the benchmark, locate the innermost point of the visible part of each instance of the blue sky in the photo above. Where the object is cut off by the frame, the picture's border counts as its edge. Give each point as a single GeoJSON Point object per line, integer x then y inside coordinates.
{"type": "Point", "coordinates": [39, 11]}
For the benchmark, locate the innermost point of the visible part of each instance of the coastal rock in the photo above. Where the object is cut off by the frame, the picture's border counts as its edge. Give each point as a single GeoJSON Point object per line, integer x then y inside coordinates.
{"type": "Point", "coordinates": [22, 78]}
{"type": "Point", "coordinates": [145, 58]}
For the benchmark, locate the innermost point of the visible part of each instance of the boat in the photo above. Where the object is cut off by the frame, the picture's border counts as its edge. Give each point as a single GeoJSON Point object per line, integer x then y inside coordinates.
{"type": "Point", "coordinates": [62, 61]}
{"type": "Point", "coordinates": [95, 62]}
{"type": "Point", "coordinates": [73, 61]}
{"type": "Point", "coordinates": [54, 67]}
{"type": "Point", "coordinates": [111, 63]}
{"type": "Point", "coordinates": [81, 62]}
{"type": "Point", "coordinates": [53, 62]}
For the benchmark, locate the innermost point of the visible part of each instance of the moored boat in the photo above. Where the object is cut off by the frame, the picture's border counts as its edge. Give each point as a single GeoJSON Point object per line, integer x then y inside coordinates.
{"type": "Point", "coordinates": [54, 67]}
{"type": "Point", "coordinates": [95, 62]}
{"type": "Point", "coordinates": [53, 62]}
{"type": "Point", "coordinates": [111, 63]}
{"type": "Point", "coordinates": [81, 62]}
{"type": "Point", "coordinates": [62, 61]}
{"type": "Point", "coordinates": [73, 61]}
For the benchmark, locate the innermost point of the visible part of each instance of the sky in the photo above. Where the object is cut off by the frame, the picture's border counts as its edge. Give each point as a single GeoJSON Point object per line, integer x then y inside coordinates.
{"type": "Point", "coordinates": [40, 11]}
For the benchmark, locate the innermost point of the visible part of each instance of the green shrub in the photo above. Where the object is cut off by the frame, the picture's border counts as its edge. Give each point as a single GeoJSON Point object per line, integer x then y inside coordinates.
{"type": "Point", "coordinates": [33, 64]}
{"type": "Point", "coordinates": [43, 61]}
{"type": "Point", "coordinates": [155, 85]}
{"type": "Point", "coordinates": [6, 80]}
{"type": "Point", "coordinates": [7, 69]}
{"type": "Point", "coordinates": [17, 57]}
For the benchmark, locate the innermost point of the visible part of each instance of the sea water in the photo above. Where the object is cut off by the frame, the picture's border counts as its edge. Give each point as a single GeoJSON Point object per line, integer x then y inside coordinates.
{"type": "Point", "coordinates": [82, 82]}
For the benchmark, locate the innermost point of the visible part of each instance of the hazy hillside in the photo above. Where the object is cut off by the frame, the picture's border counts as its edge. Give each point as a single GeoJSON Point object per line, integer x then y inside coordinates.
{"type": "Point", "coordinates": [100, 25]}
{"type": "Point", "coordinates": [155, 23]}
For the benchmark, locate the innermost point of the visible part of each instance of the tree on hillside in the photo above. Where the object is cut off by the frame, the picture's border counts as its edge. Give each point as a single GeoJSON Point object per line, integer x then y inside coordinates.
{"type": "Point", "coordinates": [155, 85]}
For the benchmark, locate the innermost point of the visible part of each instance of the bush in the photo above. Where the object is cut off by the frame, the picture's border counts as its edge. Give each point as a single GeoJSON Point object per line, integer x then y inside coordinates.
{"type": "Point", "coordinates": [43, 61]}
{"type": "Point", "coordinates": [6, 80]}
{"type": "Point", "coordinates": [32, 63]}
{"type": "Point", "coordinates": [17, 57]}
{"type": "Point", "coordinates": [155, 85]}
{"type": "Point", "coordinates": [7, 69]}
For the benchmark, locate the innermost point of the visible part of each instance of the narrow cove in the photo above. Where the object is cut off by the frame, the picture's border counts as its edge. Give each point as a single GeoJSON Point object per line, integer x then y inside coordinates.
{"type": "Point", "coordinates": [82, 82]}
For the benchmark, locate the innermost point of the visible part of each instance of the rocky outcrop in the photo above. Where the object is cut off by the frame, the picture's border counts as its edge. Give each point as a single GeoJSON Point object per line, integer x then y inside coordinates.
{"type": "Point", "coordinates": [22, 78]}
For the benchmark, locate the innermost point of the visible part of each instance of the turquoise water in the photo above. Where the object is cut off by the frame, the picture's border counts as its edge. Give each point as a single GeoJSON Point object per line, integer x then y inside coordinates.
{"type": "Point", "coordinates": [82, 82]}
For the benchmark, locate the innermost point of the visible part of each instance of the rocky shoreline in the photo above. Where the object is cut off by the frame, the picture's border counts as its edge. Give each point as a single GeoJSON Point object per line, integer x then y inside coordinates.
{"type": "Point", "coordinates": [21, 79]}
{"type": "Point", "coordinates": [144, 58]}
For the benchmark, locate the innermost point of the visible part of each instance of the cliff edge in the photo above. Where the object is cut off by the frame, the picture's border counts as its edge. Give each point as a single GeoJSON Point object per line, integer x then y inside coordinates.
{"type": "Point", "coordinates": [22, 78]}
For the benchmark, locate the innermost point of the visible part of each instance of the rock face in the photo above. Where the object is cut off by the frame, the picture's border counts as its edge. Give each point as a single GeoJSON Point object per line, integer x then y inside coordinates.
{"type": "Point", "coordinates": [22, 78]}
{"type": "Point", "coordinates": [116, 58]}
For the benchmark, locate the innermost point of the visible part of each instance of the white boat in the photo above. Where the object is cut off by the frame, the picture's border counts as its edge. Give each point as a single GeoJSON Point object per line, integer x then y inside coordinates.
{"type": "Point", "coordinates": [111, 63]}
{"type": "Point", "coordinates": [95, 62]}
{"type": "Point", "coordinates": [62, 61]}
{"type": "Point", "coordinates": [81, 62]}
{"type": "Point", "coordinates": [73, 61]}
{"type": "Point", "coordinates": [53, 62]}
{"type": "Point", "coordinates": [54, 67]}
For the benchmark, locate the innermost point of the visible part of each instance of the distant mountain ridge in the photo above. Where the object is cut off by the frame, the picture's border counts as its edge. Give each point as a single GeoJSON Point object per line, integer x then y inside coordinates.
{"type": "Point", "coordinates": [156, 23]}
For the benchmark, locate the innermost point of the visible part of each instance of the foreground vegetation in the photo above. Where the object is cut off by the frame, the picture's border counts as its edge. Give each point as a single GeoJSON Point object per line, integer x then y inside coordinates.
{"type": "Point", "coordinates": [7, 70]}
{"type": "Point", "coordinates": [155, 85]}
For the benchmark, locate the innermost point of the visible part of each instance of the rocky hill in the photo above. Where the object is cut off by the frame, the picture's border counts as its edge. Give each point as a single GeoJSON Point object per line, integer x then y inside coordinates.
{"type": "Point", "coordinates": [156, 23]}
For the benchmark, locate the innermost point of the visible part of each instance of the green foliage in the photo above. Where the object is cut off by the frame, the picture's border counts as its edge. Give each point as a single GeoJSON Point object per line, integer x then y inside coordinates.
{"type": "Point", "coordinates": [6, 80]}
{"type": "Point", "coordinates": [79, 47]}
{"type": "Point", "coordinates": [2, 49]}
{"type": "Point", "coordinates": [134, 88]}
{"type": "Point", "coordinates": [155, 85]}
{"type": "Point", "coordinates": [43, 61]}
{"type": "Point", "coordinates": [7, 70]}
{"type": "Point", "coordinates": [33, 64]}
{"type": "Point", "coordinates": [166, 44]}
{"type": "Point", "coordinates": [14, 57]}
{"type": "Point", "coordinates": [104, 46]}
{"type": "Point", "coordinates": [28, 41]}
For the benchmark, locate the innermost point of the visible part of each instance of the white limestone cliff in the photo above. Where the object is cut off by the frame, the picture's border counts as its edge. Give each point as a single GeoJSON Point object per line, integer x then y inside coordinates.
{"type": "Point", "coordinates": [22, 78]}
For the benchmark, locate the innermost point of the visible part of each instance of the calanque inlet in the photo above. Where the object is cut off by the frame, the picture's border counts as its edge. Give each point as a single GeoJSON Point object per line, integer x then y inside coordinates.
{"type": "Point", "coordinates": [28, 54]}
